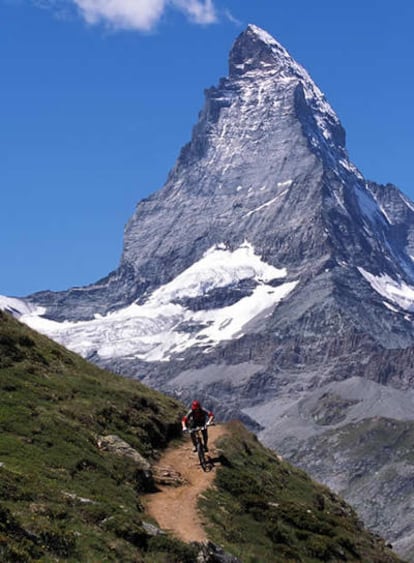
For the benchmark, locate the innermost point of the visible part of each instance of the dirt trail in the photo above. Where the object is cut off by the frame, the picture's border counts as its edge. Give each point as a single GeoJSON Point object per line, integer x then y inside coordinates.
{"type": "Point", "coordinates": [175, 507]}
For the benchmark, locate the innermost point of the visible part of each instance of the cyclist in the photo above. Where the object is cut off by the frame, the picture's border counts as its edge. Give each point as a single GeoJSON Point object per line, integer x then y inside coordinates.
{"type": "Point", "coordinates": [197, 416]}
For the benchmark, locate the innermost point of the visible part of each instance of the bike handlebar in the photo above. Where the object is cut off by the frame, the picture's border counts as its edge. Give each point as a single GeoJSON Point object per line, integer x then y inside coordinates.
{"type": "Point", "coordinates": [196, 428]}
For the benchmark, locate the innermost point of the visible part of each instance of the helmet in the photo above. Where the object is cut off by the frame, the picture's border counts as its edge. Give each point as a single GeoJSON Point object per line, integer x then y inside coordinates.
{"type": "Point", "coordinates": [195, 405]}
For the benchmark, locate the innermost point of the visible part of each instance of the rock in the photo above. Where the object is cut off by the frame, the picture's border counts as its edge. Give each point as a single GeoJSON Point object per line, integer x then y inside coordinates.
{"type": "Point", "coordinates": [114, 444]}
{"type": "Point", "coordinates": [152, 530]}
{"type": "Point", "coordinates": [212, 553]}
{"type": "Point", "coordinates": [168, 476]}
{"type": "Point", "coordinates": [79, 499]}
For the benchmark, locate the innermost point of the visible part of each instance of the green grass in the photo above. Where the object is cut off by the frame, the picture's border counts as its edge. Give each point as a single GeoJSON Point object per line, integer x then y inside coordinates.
{"type": "Point", "coordinates": [60, 496]}
{"type": "Point", "coordinates": [263, 509]}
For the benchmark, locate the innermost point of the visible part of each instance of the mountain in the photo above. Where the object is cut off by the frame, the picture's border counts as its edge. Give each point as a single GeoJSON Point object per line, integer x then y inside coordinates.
{"type": "Point", "coordinates": [77, 448]}
{"type": "Point", "coordinates": [271, 279]}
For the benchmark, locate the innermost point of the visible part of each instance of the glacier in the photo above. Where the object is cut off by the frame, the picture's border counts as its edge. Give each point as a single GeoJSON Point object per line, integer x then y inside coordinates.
{"type": "Point", "coordinates": [150, 330]}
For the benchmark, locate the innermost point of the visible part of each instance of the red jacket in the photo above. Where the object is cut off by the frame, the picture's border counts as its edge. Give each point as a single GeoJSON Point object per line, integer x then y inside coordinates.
{"type": "Point", "coordinates": [197, 417]}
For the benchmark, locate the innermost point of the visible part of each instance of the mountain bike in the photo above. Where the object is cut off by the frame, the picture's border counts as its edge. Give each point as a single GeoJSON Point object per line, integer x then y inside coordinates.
{"type": "Point", "coordinates": [199, 444]}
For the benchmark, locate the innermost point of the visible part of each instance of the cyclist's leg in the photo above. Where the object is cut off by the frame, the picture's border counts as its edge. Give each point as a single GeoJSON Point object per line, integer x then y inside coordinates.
{"type": "Point", "coordinates": [193, 439]}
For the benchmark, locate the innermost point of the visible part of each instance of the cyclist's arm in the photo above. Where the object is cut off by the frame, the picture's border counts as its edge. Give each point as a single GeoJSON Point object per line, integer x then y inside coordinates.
{"type": "Point", "coordinates": [185, 419]}
{"type": "Point", "coordinates": [209, 415]}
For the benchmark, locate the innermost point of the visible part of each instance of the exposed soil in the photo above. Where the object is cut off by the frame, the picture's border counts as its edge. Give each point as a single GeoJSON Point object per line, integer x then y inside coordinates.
{"type": "Point", "coordinates": [174, 506]}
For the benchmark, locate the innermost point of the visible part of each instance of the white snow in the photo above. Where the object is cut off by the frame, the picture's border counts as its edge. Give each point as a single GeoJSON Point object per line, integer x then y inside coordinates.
{"type": "Point", "coordinates": [347, 165]}
{"type": "Point", "coordinates": [285, 184]}
{"type": "Point", "coordinates": [368, 205]}
{"type": "Point", "coordinates": [217, 268]}
{"type": "Point", "coordinates": [264, 36]}
{"type": "Point", "coordinates": [151, 331]}
{"type": "Point", "coordinates": [390, 307]}
{"type": "Point", "coordinates": [288, 70]}
{"type": "Point", "coordinates": [407, 202]}
{"type": "Point", "coordinates": [398, 292]}
{"type": "Point", "coordinates": [266, 204]}
{"type": "Point", "coordinates": [228, 322]}
{"type": "Point", "coordinates": [17, 307]}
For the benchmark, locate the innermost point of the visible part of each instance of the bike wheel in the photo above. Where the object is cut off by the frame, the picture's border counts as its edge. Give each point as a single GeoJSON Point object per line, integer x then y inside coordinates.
{"type": "Point", "coordinates": [201, 456]}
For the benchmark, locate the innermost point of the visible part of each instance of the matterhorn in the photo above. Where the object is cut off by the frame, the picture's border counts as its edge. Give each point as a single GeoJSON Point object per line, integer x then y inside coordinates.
{"type": "Point", "coordinates": [271, 280]}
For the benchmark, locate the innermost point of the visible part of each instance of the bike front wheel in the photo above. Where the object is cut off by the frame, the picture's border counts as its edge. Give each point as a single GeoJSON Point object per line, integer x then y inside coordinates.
{"type": "Point", "coordinates": [201, 456]}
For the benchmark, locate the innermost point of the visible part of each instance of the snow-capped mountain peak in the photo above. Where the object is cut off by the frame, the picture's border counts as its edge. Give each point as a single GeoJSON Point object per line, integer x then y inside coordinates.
{"type": "Point", "coordinates": [255, 49]}
{"type": "Point", "coordinates": [257, 56]}
{"type": "Point", "coordinates": [266, 163]}
{"type": "Point", "coordinates": [265, 271]}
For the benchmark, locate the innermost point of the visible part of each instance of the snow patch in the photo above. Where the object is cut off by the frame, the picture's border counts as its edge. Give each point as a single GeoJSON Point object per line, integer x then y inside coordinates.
{"type": "Point", "coordinates": [18, 307]}
{"type": "Point", "coordinates": [390, 307]}
{"type": "Point", "coordinates": [407, 202]}
{"type": "Point", "coordinates": [162, 326]}
{"type": "Point", "coordinates": [217, 268]}
{"type": "Point", "coordinates": [266, 204]}
{"type": "Point", "coordinates": [285, 184]}
{"type": "Point", "coordinates": [264, 35]}
{"type": "Point", "coordinates": [398, 292]}
{"type": "Point", "coordinates": [368, 205]}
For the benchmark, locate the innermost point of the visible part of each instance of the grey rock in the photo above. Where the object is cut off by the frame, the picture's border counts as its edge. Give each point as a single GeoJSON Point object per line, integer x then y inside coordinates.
{"type": "Point", "coordinates": [168, 476]}
{"type": "Point", "coordinates": [152, 530]}
{"type": "Point", "coordinates": [212, 553]}
{"type": "Point", "coordinates": [114, 444]}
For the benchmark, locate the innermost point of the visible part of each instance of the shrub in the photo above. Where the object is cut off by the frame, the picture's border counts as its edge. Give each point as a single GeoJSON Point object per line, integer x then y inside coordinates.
{"type": "Point", "coordinates": [178, 552]}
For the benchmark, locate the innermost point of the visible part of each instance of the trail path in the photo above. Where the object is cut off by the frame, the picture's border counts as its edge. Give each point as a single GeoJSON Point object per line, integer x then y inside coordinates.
{"type": "Point", "coordinates": [175, 507]}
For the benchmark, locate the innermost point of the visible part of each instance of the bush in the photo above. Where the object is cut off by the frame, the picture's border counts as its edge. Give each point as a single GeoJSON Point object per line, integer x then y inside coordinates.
{"type": "Point", "coordinates": [178, 552]}
{"type": "Point", "coordinates": [59, 541]}
{"type": "Point", "coordinates": [127, 528]}
{"type": "Point", "coordinates": [279, 533]}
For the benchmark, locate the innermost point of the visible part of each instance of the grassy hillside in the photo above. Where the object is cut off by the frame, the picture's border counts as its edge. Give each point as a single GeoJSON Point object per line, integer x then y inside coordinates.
{"type": "Point", "coordinates": [64, 497]}
{"type": "Point", "coordinates": [264, 509]}
{"type": "Point", "coordinates": [61, 497]}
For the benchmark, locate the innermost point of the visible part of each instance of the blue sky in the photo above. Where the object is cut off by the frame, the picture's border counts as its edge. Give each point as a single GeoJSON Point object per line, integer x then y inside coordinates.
{"type": "Point", "coordinates": [98, 96]}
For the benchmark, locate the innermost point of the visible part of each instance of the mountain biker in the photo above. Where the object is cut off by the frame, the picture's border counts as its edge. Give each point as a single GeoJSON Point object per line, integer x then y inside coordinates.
{"type": "Point", "coordinates": [197, 416]}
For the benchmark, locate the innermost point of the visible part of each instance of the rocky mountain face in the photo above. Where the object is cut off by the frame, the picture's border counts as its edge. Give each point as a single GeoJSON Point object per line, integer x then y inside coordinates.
{"type": "Point", "coordinates": [270, 279]}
